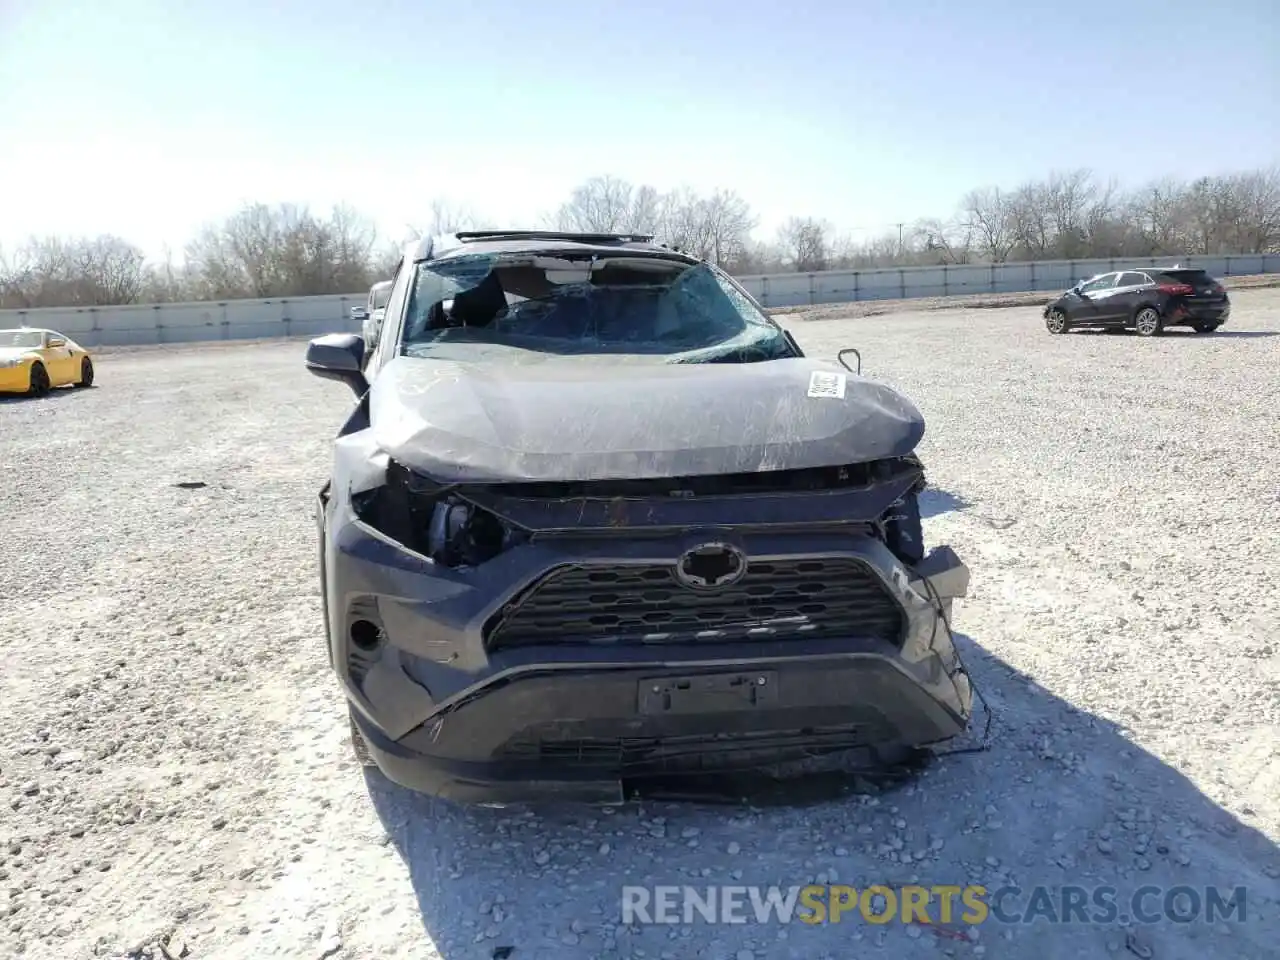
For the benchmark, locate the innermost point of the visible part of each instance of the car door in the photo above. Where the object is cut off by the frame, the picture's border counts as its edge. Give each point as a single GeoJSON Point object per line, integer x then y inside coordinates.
{"type": "Point", "coordinates": [59, 359]}
{"type": "Point", "coordinates": [1108, 300]}
{"type": "Point", "coordinates": [1086, 306]}
{"type": "Point", "coordinates": [1124, 297]}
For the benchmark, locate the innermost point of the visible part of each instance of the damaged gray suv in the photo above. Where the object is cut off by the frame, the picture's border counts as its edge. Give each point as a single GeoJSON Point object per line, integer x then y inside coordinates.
{"type": "Point", "coordinates": [596, 518]}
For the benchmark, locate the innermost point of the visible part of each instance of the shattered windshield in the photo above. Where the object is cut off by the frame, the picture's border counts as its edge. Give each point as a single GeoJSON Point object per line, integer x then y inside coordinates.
{"type": "Point", "coordinates": [653, 307]}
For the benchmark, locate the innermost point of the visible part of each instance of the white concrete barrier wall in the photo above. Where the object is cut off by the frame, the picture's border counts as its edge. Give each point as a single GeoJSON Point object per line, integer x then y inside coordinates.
{"type": "Point", "coordinates": [1050, 276]}
{"type": "Point", "coordinates": [195, 322]}
{"type": "Point", "coordinates": [312, 316]}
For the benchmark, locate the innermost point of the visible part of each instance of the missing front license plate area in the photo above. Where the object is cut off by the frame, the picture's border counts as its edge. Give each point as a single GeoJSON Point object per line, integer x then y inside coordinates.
{"type": "Point", "coordinates": [708, 693]}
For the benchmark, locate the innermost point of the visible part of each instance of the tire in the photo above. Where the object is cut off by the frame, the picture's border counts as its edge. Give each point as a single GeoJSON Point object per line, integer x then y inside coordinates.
{"type": "Point", "coordinates": [1056, 322]}
{"type": "Point", "coordinates": [39, 381]}
{"type": "Point", "coordinates": [1206, 327]}
{"type": "Point", "coordinates": [86, 373]}
{"type": "Point", "coordinates": [358, 747]}
{"type": "Point", "coordinates": [1148, 322]}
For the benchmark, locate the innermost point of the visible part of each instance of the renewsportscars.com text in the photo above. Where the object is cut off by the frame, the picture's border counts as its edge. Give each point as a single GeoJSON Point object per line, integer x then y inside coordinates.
{"type": "Point", "coordinates": [969, 905]}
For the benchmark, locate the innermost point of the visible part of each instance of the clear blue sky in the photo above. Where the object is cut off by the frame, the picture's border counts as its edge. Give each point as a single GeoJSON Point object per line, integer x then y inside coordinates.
{"type": "Point", "coordinates": [145, 118]}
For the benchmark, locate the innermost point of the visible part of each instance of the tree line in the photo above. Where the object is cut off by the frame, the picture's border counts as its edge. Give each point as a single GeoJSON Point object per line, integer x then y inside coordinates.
{"type": "Point", "coordinates": [288, 251]}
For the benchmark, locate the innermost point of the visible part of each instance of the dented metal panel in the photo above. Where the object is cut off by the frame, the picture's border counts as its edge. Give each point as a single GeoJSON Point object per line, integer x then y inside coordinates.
{"type": "Point", "coordinates": [586, 418]}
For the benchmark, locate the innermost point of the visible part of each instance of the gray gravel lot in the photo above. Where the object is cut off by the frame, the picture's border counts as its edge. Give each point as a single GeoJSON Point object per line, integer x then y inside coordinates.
{"type": "Point", "coordinates": [174, 758]}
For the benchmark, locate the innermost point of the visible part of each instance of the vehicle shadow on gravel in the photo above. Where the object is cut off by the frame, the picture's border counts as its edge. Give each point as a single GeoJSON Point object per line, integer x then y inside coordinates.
{"type": "Point", "coordinates": [1180, 334]}
{"type": "Point", "coordinates": [56, 394]}
{"type": "Point", "coordinates": [1061, 798]}
{"type": "Point", "coordinates": [935, 502]}
{"type": "Point", "coordinates": [1224, 334]}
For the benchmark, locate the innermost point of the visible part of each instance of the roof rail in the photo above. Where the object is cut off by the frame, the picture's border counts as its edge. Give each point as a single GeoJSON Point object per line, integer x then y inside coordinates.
{"type": "Point", "coordinates": [465, 235]}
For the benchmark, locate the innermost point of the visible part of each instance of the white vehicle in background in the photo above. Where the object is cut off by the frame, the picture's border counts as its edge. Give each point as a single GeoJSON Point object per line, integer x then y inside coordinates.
{"type": "Point", "coordinates": [371, 314]}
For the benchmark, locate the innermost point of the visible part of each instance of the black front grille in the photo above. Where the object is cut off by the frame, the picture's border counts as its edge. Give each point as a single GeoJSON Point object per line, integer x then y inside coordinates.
{"type": "Point", "coordinates": [690, 753]}
{"type": "Point", "coordinates": [777, 599]}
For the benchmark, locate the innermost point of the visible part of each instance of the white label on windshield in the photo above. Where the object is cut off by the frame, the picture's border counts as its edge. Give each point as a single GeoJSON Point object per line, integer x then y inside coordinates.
{"type": "Point", "coordinates": [823, 384]}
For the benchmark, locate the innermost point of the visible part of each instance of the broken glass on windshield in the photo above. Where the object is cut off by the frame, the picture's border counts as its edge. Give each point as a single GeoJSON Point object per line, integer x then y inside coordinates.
{"type": "Point", "coordinates": [651, 306]}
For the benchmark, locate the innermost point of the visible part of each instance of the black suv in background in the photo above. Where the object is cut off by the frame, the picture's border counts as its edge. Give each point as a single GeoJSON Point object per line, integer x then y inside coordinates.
{"type": "Point", "coordinates": [1146, 300]}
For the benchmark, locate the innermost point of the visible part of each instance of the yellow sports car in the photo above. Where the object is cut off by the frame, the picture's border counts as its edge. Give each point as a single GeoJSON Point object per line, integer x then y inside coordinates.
{"type": "Point", "coordinates": [34, 361]}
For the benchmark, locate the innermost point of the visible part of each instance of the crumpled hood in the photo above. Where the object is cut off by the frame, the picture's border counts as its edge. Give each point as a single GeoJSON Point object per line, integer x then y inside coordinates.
{"type": "Point", "coordinates": [587, 418]}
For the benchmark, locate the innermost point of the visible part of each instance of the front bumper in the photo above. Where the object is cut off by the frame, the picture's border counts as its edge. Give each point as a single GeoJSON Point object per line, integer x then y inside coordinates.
{"type": "Point", "coordinates": [15, 379]}
{"type": "Point", "coordinates": [521, 747]}
{"type": "Point", "coordinates": [445, 711]}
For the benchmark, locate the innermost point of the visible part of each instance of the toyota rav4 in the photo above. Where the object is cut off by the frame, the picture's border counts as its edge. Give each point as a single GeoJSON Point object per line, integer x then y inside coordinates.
{"type": "Point", "coordinates": [596, 517]}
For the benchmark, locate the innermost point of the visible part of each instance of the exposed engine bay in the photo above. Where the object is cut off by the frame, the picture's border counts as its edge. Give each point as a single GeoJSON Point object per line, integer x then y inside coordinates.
{"type": "Point", "coordinates": [458, 525]}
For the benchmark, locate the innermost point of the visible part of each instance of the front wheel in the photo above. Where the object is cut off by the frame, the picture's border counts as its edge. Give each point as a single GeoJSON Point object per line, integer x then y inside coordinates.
{"type": "Point", "coordinates": [1055, 321]}
{"type": "Point", "coordinates": [1147, 322]}
{"type": "Point", "coordinates": [39, 384]}
{"type": "Point", "coordinates": [86, 373]}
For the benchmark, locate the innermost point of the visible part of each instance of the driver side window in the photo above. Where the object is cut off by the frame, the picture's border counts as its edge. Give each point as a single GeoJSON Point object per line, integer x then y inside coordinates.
{"type": "Point", "coordinates": [1104, 282]}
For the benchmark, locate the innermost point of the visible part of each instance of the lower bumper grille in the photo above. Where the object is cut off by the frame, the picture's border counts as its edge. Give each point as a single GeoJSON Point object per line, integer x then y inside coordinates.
{"type": "Point", "coordinates": [643, 604]}
{"type": "Point", "coordinates": [687, 754]}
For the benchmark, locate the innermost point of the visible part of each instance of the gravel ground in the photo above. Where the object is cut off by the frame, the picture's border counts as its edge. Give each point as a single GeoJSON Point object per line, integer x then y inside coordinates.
{"type": "Point", "coordinates": [175, 763]}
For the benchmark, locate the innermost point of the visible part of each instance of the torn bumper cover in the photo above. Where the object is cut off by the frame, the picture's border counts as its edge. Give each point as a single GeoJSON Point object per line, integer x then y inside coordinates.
{"type": "Point", "coordinates": [576, 660]}
{"type": "Point", "coordinates": [510, 740]}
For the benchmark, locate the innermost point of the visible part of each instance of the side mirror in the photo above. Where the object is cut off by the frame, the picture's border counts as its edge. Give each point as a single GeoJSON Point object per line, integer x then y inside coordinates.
{"type": "Point", "coordinates": [57, 341]}
{"type": "Point", "coordinates": [339, 356]}
{"type": "Point", "coordinates": [359, 314]}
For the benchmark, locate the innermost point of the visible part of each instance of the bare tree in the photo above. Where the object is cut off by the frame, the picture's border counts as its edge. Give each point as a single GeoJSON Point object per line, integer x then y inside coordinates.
{"type": "Point", "coordinates": [1255, 224]}
{"type": "Point", "coordinates": [447, 217]}
{"type": "Point", "coordinates": [264, 251]}
{"type": "Point", "coordinates": [1157, 211]}
{"type": "Point", "coordinates": [600, 205]}
{"type": "Point", "coordinates": [285, 251]}
{"type": "Point", "coordinates": [989, 216]}
{"type": "Point", "coordinates": [646, 210]}
{"type": "Point", "coordinates": [1030, 223]}
{"type": "Point", "coordinates": [804, 243]}
{"type": "Point", "coordinates": [729, 222]}
{"type": "Point", "coordinates": [112, 269]}
{"type": "Point", "coordinates": [85, 271]}
{"type": "Point", "coordinates": [944, 242]}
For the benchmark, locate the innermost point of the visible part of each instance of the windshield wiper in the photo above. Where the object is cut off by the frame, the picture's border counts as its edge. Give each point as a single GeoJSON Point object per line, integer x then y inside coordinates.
{"type": "Point", "coordinates": [754, 352]}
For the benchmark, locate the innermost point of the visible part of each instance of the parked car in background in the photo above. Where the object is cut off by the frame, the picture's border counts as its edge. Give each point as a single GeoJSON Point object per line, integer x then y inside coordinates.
{"type": "Point", "coordinates": [1147, 300]}
{"type": "Point", "coordinates": [371, 314]}
{"type": "Point", "coordinates": [595, 516]}
{"type": "Point", "coordinates": [33, 361]}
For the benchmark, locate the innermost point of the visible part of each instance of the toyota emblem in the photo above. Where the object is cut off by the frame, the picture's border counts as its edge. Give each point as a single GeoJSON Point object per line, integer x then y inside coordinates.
{"type": "Point", "coordinates": [711, 566]}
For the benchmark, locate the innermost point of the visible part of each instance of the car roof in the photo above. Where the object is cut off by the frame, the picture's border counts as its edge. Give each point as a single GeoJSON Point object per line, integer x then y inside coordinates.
{"type": "Point", "coordinates": [380, 285]}
{"type": "Point", "coordinates": [471, 242]}
{"type": "Point", "coordinates": [1176, 267]}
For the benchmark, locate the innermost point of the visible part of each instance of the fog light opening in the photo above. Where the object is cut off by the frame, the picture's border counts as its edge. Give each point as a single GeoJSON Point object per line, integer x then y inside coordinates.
{"type": "Point", "coordinates": [365, 634]}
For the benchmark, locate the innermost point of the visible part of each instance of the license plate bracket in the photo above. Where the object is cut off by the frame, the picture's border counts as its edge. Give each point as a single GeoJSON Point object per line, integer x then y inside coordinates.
{"type": "Point", "coordinates": [708, 693]}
